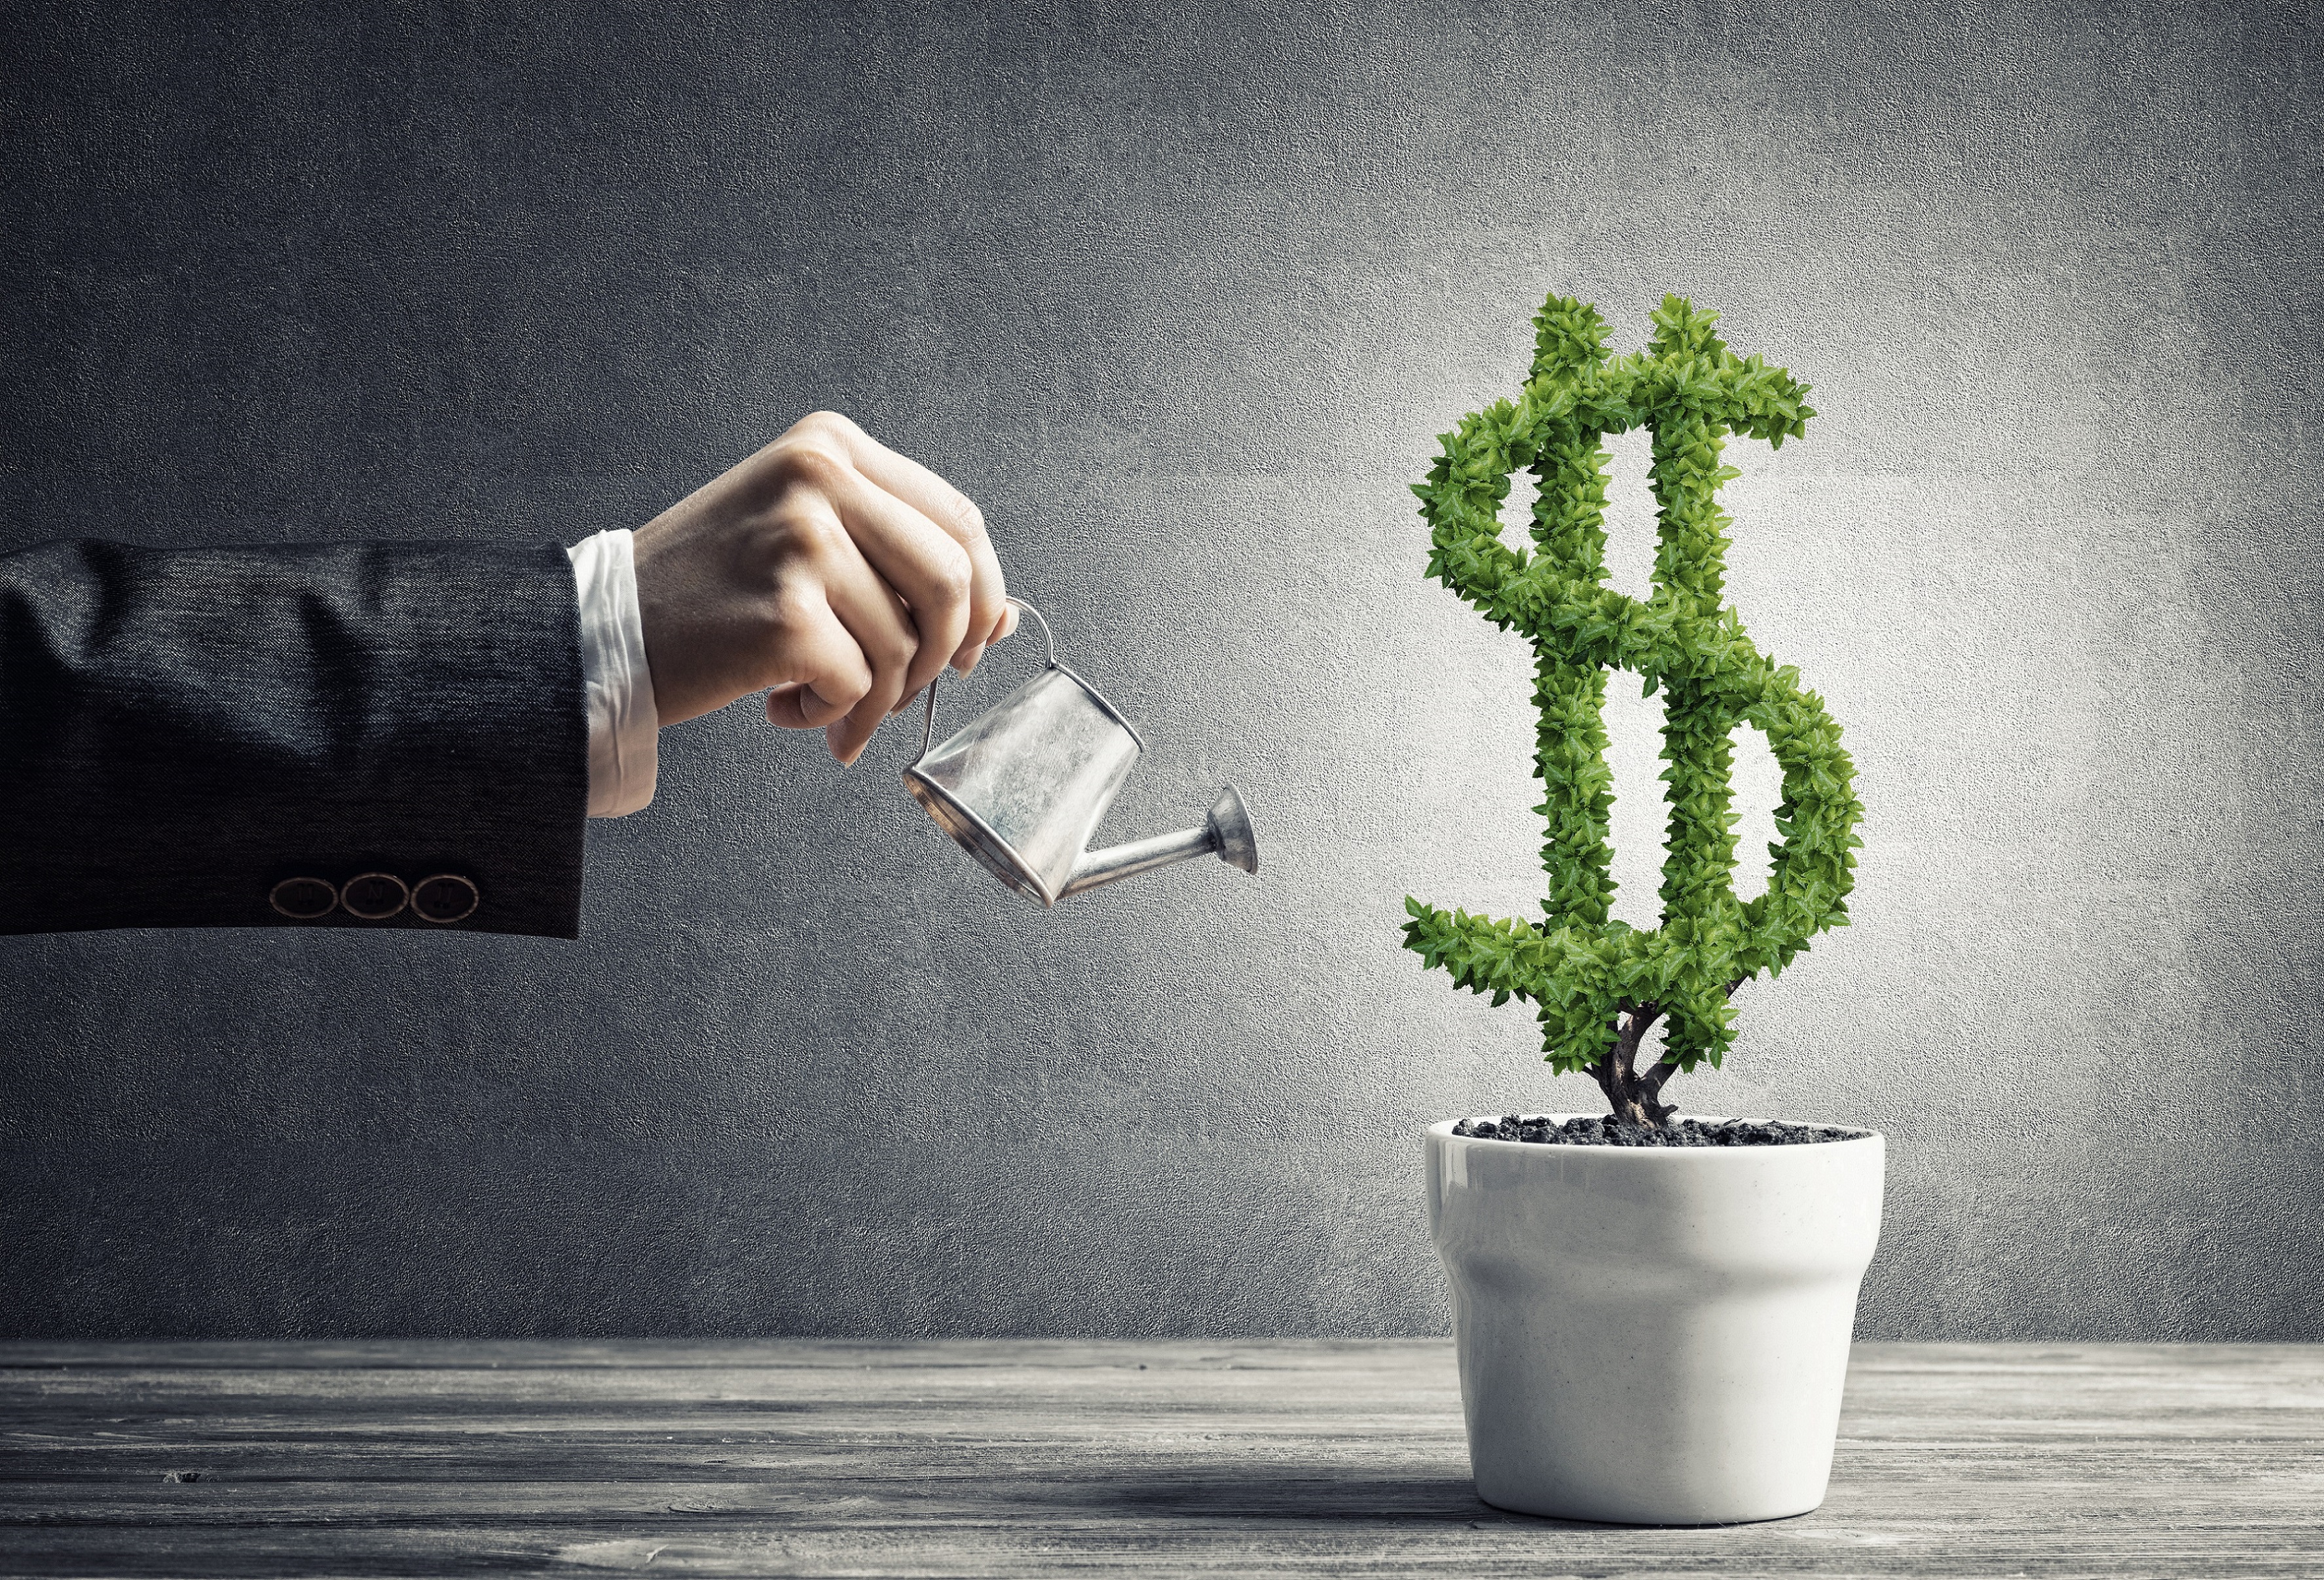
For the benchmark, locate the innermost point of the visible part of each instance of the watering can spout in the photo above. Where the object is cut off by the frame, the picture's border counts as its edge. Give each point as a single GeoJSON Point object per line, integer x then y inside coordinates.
{"type": "Point", "coordinates": [1227, 832]}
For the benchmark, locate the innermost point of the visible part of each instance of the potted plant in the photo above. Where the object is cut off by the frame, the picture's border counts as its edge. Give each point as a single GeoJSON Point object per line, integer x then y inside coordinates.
{"type": "Point", "coordinates": [1652, 1313]}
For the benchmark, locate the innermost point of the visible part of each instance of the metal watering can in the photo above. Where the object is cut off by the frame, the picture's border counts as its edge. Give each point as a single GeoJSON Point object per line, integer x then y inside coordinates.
{"type": "Point", "coordinates": [1022, 788]}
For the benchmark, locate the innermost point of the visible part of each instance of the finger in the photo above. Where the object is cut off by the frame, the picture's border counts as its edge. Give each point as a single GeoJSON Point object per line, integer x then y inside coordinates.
{"type": "Point", "coordinates": [1005, 628]}
{"type": "Point", "coordinates": [953, 512]}
{"type": "Point", "coordinates": [922, 564]}
{"type": "Point", "coordinates": [831, 677]}
{"type": "Point", "coordinates": [884, 634]}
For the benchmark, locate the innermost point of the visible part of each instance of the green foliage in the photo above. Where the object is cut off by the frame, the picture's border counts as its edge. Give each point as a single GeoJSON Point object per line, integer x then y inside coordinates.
{"type": "Point", "coordinates": [1580, 969]}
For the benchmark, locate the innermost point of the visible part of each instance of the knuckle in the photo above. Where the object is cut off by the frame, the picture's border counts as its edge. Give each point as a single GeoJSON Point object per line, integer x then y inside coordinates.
{"type": "Point", "coordinates": [811, 536]}
{"type": "Point", "coordinates": [797, 599]}
{"type": "Point", "coordinates": [895, 656]}
{"type": "Point", "coordinates": [791, 610]}
{"type": "Point", "coordinates": [954, 577]}
{"type": "Point", "coordinates": [832, 427]}
{"type": "Point", "coordinates": [805, 460]}
{"type": "Point", "coordinates": [968, 521]}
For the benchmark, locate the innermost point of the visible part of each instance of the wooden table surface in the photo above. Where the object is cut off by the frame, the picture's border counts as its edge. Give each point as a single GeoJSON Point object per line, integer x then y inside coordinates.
{"type": "Point", "coordinates": [1038, 1457]}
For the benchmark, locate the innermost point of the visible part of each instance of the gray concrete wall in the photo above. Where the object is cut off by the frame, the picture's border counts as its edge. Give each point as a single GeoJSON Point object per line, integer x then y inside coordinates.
{"type": "Point", "coordinates": [1181, 294]}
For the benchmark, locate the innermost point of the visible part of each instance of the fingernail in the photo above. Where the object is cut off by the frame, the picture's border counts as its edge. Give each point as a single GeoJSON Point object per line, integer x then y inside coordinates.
{"type": "Point", "coordinates": [967, 661]}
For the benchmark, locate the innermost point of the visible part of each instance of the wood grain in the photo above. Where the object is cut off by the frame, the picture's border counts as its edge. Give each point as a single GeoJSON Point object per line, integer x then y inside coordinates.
{"type": "Point", "coordinates": [1042, 1457]}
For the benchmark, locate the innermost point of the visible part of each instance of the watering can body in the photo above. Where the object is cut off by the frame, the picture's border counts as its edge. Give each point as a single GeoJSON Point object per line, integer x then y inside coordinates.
{"type": "Point", "coordinates": [1023, 786]}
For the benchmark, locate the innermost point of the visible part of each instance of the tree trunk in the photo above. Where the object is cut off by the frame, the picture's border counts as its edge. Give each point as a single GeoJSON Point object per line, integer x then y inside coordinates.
{"type": "Point", "coordinates": [1636, 1097]}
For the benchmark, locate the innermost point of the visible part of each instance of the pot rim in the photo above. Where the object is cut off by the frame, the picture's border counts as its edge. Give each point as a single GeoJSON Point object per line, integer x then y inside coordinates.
{"type": "Point", "coordinates": [1855, 1134]}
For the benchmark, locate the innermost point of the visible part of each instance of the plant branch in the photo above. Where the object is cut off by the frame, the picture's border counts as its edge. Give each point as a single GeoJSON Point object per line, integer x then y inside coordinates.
{"type": "Point", "coordinates": [1665, 1069]}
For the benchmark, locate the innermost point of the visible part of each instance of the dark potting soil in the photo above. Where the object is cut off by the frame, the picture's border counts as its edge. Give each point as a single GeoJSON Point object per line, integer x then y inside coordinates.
{"type": "Point", "coordinates": [1685, 1133]}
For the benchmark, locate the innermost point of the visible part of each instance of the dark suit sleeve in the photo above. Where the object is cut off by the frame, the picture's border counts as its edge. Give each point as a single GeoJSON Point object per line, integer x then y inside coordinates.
{"type": "Point", "coordinates": [185, 732]}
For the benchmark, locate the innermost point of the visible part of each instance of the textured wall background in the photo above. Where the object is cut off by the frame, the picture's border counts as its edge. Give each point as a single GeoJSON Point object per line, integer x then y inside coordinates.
{"type": "Point", "coordinates": [1182, 295]}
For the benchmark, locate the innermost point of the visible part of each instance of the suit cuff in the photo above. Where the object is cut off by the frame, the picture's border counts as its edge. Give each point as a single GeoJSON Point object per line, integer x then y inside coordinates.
{"type": "Point", "coordinates": [621, 718]}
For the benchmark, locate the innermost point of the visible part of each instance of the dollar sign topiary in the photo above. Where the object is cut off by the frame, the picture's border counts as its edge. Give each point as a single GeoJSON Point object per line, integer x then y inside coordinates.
{"type": "Point", "coordinates": [1598, 984]}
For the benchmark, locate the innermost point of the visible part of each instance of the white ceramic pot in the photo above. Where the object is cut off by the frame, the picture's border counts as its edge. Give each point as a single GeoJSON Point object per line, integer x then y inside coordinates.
{"type": "Point", "coordinates": [1653, 1335]}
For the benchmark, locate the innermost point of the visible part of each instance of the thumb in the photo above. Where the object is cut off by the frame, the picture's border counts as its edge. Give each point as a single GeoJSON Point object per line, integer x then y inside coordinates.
{"type": "Point", "coordinates": [797, 705]}
{"type": "Point", "coordinates": [825, 674]}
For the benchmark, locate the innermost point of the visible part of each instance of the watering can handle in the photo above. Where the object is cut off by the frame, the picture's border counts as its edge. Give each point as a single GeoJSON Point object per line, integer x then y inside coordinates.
{"type": "Point", "coordinates": [929, 717]}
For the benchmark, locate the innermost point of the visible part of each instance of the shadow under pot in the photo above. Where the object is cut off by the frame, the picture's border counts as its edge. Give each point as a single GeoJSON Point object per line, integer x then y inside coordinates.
{"type": "Point", "coordinates": [1653, 1335]}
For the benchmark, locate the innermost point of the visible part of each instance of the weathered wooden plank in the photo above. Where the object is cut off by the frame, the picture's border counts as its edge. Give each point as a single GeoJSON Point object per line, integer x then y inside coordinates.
{"type": "Point", "coordinates": [1033, 1457]}
{"type": "Point", "coordinates": [1062, 1354]}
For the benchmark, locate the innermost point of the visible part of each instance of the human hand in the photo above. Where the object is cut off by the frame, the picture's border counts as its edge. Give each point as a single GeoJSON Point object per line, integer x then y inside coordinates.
{"type": "Point", "coordinates": [826, 570]}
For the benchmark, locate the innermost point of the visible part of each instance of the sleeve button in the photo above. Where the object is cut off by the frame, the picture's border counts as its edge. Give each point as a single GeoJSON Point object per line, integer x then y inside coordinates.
{"type": "Point", "coordinates": [374, 896]}
{"type": "Point", "coordinates": [447, 897]}
{"type": "Point", "coordinates": [304, 899]}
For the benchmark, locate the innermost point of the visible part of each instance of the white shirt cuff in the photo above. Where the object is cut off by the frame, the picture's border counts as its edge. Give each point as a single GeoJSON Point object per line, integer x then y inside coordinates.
{"type": "Point", "coordinates": [621, 718]}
